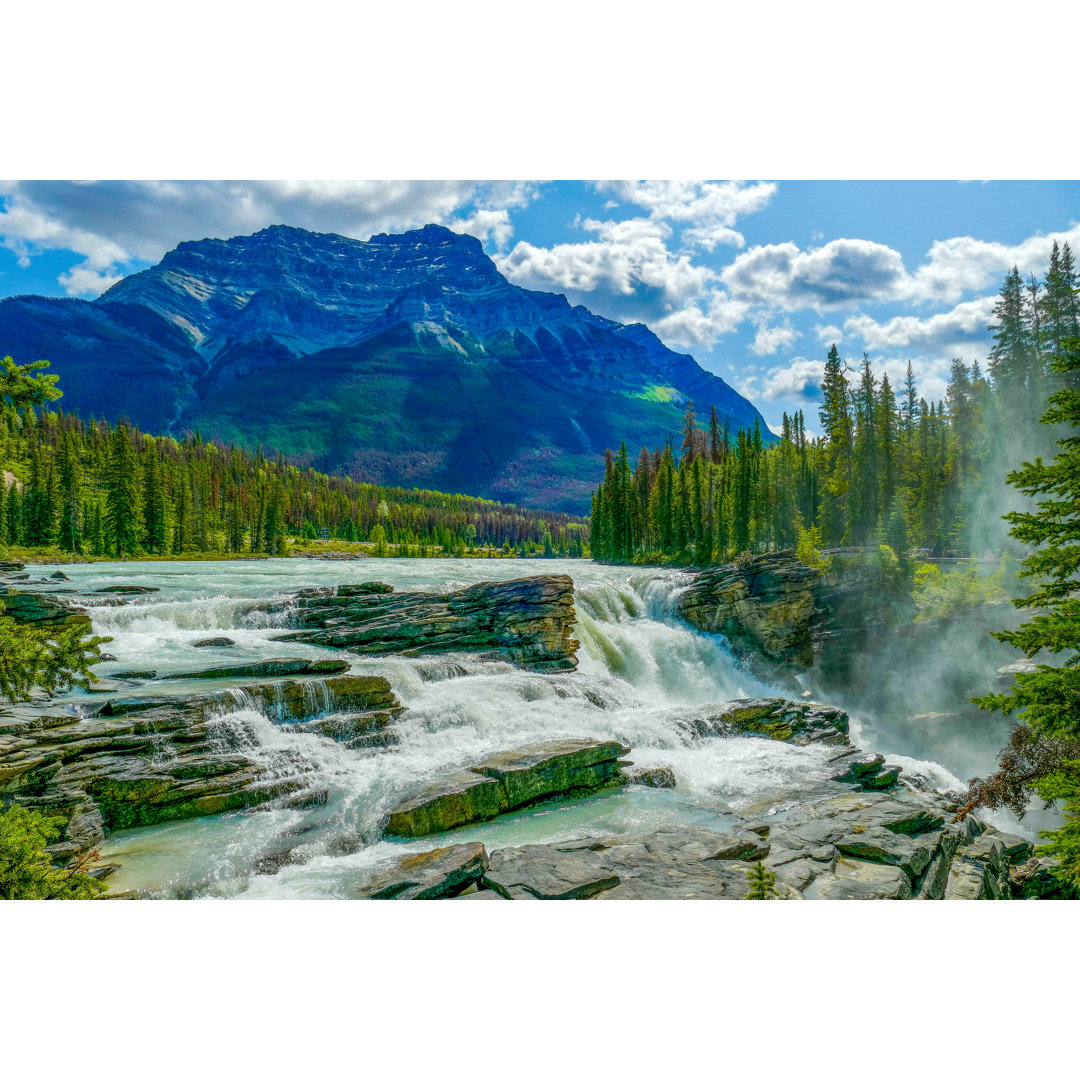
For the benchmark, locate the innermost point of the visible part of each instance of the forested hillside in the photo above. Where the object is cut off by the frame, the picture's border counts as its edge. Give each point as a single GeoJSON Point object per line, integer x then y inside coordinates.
{"type": "Point", "coordinates": [889, 466]}
{"type": "Point", "coordinates": [99, 489]}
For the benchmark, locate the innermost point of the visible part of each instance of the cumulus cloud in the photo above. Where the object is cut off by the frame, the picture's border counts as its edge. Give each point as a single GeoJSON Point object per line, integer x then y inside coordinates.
{"type": "Point", "coordinates": [702, 322]}
{"type": "Point", "coordinates": [798, 378]}
{"type": "Point", "coordinates": [693, 201]}
{"type": "Point", "coordinates": [965, 325]}
{"type": "Point", "coordinates": [770, 339]}
{"type": "Point", "coordinates": [638, 269]}
{"type": "Point", "coordinates": [628, 265]}
{"type": "Point", "coordinates": [829, 335]}
{"type": "Point", "coordinates": [110, 224]}
{"type": "Point", "coordinates": [84, 280]}
{"type": "Point", "coordinates": [706, 210]}
{"type": "Point", "coordinates": [962, 263]}
{"type": "Point", "coordinates": [840, 272]}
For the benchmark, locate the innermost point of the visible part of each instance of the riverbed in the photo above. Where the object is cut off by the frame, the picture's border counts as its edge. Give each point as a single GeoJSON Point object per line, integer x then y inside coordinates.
{"type": "Point", "coordinates": [639, 670]}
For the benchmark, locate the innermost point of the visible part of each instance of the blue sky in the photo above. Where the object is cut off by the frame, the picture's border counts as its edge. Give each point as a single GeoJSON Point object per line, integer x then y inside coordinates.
{"type": "Point", "coordinates": [756, 279]}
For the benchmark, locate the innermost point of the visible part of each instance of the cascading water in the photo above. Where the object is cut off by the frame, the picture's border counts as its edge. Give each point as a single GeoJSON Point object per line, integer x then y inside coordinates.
{"type": "Point", "coordinates": [640, 672]}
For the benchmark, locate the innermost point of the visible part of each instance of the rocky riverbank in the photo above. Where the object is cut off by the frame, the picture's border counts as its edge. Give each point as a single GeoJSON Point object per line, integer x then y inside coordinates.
{"type": "Point", "coordinates": [859, 846]}
{"type": "Point", "coordinates": [852, 826]}
{"type": "Point", "coordinates": [131, 761]}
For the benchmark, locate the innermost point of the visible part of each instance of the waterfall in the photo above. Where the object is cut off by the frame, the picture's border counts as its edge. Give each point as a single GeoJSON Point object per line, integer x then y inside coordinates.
{"type": "Point", "coordinates": [641, 672]}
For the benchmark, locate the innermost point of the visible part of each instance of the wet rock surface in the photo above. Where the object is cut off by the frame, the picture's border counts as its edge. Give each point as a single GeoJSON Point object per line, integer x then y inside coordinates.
{"type": "Point", "coordinates": [428, 875]}
{"type": "Point", "coordinates": [508, 782]}
{"type": "Point", "coordinates": [782, 616]}
{"type": "Point", "coordinates": [266, 668]}
{"type": "Point", "coordinates": [145, 760]}
{"type": "Point", "coordinates": [41, 609]}
{"type": "Point", "coordinates": [528, 621]}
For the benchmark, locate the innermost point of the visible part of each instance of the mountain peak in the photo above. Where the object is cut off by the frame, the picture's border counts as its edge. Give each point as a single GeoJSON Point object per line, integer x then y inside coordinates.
{"type": "Point", "coordinates": [405, 359]}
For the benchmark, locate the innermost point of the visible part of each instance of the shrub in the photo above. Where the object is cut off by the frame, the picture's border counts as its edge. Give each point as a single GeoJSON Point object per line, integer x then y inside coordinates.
{"type": "Point", "coordinates": [26, 869]}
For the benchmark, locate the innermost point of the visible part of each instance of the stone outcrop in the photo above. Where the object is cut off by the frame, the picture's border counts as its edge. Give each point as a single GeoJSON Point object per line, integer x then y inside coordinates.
{"type": "Point", "coordinates": [782, 616]}
{"type": "Point", "coordinates": [45, 610]}
{"type": "Point", "coordinates": [508, 782]}
{"type": "Point", "coordinates": [835, 845]}
{"type": "Point", "coordinates": [528, 621]}
{"type": "Point", "coordinates": [144, 760]}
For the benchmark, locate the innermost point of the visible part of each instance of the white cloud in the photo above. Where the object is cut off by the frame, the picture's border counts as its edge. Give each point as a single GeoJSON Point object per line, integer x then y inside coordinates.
{"type": "Point", "coordinates": [628, 265]}
{"type": "Point", "coordinates": [111, 223]}
{"type": "Point", "coordinates": [845, 272]}
{"type": "Point", "coordinates": [840, 272]}
{"type": "Point", "coordinates": [708, 236]}
{"type": "Point", "coordinates": [707, 209]}
{"type": "Point", "coordinates": [829, 335]}
{"type": "Point", "coordinates": [770, 339]}
{"type": "Point", "coordinates": [963, 263]}
{"type": "Point", "coordinates": [702, 323]}
{"type": "Point", "coordinates": [83, 280]}
{"type": "Point", "coordinates": [693, 201]}
{"type": "Point", "coordinates": [964, 326]}
{"type": "Point", "coordinates": [486, 225]}
{"type": "Point", "coordinates": [798, 378]}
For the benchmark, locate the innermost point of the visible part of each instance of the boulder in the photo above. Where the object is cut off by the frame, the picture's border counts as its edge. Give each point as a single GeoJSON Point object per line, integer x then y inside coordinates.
{"type": "Point", "coordinates": [654, 776]}
{"type": "Point", "coordinates": [447, 803]}
{"type": "Point", "coordinates": [853, 880]}
{"type": "Point", "coordinates": [798, 722]}
{"type": "Point", "coordinates": [541, 872]}
{"type": "Point", "coordinates": [428, 875]}
{"type": "Point", "coordinates": [213, 643]}
{"type": "Point", "coordinates": [555, 768]}
{"type": "Point", "coordinates": [1036, 879]}
{"type": "Point", "coordinates": [668, 864]}
{"type": "Point", "coordinates": [128, 590]}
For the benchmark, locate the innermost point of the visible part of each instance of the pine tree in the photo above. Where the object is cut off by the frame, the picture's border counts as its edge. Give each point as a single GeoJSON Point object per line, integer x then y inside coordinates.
{"type": "Point", "coordinates": [122, 494]}
{"type": "Point", "coordinates": [39, 503]}
{"type": "Point", "coordinates": [762, 883]}
{"type": "Point", "coordinates": [70, 536]}
{"type": "Point", "coordinates": [155, 536]}
{"type": "Point", "coordinates": [180, 516]}
{"type": "Point", "coordinates": [835, 416]}
{"type": "Point", "coordinates": [1047, 700]}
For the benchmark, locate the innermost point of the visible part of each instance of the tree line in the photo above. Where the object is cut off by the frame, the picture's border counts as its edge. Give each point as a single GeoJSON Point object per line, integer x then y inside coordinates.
{"type": "Point", "coordinates": [104, 489]}
{"type": "Point", "coordinates": [888, 466]}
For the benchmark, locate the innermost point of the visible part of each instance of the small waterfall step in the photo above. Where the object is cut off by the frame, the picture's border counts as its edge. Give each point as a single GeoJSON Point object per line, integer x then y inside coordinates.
{"type": "Point", "coordinates": [135, 761]}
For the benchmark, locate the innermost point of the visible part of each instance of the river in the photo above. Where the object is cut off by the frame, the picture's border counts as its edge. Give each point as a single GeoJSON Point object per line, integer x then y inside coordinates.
{"type": "Point", "coordinates": [639, 670]}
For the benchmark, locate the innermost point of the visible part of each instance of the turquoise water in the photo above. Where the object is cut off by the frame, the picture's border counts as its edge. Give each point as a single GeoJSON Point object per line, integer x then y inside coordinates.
{"type": "Point", "coordinates": [639, 671]}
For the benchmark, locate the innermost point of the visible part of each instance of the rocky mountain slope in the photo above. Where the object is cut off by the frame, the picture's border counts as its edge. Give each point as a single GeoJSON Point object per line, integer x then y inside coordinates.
{"type": "Point", "coordinates": [407, 359]}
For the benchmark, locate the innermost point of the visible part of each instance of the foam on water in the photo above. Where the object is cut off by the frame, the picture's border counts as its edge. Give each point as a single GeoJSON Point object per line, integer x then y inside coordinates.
{"type": "Point", "coordinates": [639, 671]}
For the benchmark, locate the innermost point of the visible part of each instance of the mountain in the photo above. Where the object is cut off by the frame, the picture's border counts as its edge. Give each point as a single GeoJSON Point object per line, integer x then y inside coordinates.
{"type": "Point", "coordinates": [407, 359]}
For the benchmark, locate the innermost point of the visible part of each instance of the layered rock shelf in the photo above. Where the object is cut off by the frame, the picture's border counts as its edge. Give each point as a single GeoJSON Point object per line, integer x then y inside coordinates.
{"type": "Point", "coordinates": [508, 782]}
{"type": "Point", "coordinates": [144, 760]}
{"type": "Point", "coordinates": [867, 846]}
{"type": "Point", "coordinates": [528, 621]}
